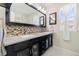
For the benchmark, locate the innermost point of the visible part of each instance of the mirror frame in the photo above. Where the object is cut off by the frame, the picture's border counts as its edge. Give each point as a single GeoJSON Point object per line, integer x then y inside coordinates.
{"type": "Point", "coordinates": [41, 20]}
{"type": "Point", "coordinates": [8, 5]}
{"type": "Point", "coordinates": [55, 16]}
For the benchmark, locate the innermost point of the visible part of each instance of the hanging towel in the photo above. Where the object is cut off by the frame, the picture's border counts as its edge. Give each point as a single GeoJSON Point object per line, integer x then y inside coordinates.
{"type": "Point", "coordinates": [2, 47]}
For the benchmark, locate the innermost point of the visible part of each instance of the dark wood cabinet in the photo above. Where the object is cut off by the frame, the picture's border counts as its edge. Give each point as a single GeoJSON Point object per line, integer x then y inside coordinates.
{"type": "Point", "coordinates": [34, 47]}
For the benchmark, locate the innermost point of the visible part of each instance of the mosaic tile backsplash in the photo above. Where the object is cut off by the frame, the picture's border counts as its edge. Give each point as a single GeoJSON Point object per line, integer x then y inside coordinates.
{"type": "Point", "coordinates": [17, 30]}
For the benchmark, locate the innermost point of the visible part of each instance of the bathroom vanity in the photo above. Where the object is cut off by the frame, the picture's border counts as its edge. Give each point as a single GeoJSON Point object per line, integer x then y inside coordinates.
{"type": "Point", "coordinates": [29, 45]}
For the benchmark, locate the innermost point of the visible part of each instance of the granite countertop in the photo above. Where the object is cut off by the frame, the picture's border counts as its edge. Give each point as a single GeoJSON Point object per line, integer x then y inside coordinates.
{"type": "Point", "coordinates": [17, 39]}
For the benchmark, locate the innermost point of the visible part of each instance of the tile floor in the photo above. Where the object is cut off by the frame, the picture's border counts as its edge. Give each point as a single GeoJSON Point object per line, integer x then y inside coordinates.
{"type": "Point", "coordinates": [57, 51]}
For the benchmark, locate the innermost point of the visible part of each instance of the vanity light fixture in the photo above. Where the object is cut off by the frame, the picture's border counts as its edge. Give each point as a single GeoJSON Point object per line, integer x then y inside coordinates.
{"type": "Point", "coordinates": [30, 3]}
{"type": "Point", "coordinates": [43, 10]}
{"type": "Point", "coordinates": [38, 7]}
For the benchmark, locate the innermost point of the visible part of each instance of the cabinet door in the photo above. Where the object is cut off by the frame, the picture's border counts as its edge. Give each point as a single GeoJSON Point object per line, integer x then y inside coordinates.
{"type": "Point", "coordinates": [51, 40]}
{"type": "Point", "coordinates": [47, 43]}
{"type": "Point", "coordinates": [42, 47]}
{"type": "Point", "coordinates": [10, 51]}
{"type": "Point", "coordinates": [25, 52]}
{"type": "Point", "coordinates": [35, 49]}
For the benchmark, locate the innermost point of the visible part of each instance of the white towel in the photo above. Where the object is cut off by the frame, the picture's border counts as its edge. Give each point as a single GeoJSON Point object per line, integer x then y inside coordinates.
{"type": "Point", "coordinates": [2, 48]}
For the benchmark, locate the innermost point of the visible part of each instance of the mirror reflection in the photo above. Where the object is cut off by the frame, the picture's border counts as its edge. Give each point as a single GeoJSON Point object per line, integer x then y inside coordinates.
{"type": "Point", "coordinates": [22, 13]}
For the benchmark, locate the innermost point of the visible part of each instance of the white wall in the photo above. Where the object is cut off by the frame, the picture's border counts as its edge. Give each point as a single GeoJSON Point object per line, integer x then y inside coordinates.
{"type": "Point", "coordinates": [2, 17]}
{"type": "Point", "coordinates": [73, 43]}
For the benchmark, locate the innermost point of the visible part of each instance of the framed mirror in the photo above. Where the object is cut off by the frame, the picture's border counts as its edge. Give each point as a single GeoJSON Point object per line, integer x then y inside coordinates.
{"type": "Point", "coordinates": [26, 14]}
{"type": "Point", "coordinates": [53, 18]}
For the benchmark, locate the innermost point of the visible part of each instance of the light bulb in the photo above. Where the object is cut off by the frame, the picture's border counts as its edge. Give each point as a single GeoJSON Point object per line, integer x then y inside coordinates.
{"type": "Point", "coordinates": [30, 3]}
{"type": "Point", "coordinates": [44, 11]}
{"type": "Point", "coordinates": [39, 8]}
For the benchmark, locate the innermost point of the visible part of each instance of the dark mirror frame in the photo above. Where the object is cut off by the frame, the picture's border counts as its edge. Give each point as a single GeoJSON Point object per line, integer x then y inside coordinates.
{"type": "Point", "coordinates": [53, 14]}
{"type": "Point", "coordinates": [8, 5]}
{"type": "Point", "coordinates": [41, 19]}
